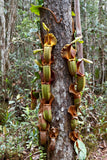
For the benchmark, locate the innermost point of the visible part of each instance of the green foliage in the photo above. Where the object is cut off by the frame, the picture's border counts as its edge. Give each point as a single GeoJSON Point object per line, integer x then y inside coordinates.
{"type": "Point", "coordinates": [26, 29]}
{"type": "Point", "coordinates": [21, 136]}
{"type": "Point", "coordinates": [45, 27]}
{"type": "Point", "coordinates": [35, 9]}
{"type": "Point", "coordinates": [92, 118]}
{"type": "Point", "coordinates": [72, 13]}
{"type": "Point", "coordinates": [77, 39]}
{"type": "Point", "coordinates": [93, 107]}
{"type": "Point", "coordinates": [80, 150]}
{"type": "Point", "coordinates": [97, 73]}
{"type": "Point", "coordinates": [37, 50]}
{"type": "Point", "coordinates": [39, 2]}
{"type": "Point", "coordinates": [93, 26]}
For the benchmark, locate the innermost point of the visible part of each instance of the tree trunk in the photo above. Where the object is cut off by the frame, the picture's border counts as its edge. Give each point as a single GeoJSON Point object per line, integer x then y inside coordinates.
{"type": "Point", "coordinates": [2, 40]}
{"type": "Point", "coordinates": [79, 33]}
{"type": "Point", "coordinates": [86, 48]}
{"type": "Point", "coordinates": [101, 43]}
{"type": "Point", "coordinates": [60, 87]}
{"type": "Point", "coordinates": [6, 27]}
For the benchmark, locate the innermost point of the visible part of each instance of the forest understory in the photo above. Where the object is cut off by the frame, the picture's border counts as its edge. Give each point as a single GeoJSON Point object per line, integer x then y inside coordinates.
{"type": "Point", "coordinates": [19, 75]}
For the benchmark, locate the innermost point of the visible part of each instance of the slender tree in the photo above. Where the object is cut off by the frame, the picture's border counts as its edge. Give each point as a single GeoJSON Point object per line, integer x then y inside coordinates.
{"type": "Point", "coordinates": [101, 45]}
{"type": "Point", "coordinates": [79, 32]}
{"type": "Point", "coordinates": [7, 22]}
{"type": "Point", "coordinates": [60, 87]}
{"type": "Point", "coordinates": [2, 39]}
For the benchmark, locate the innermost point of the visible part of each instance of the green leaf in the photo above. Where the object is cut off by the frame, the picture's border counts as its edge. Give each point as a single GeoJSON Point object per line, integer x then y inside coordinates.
{"type": "Point", "coordinates": [72, 13]}
{"type": "Point", "coordinates": [4, 130]}
{"type": "Point", "coordinates": [45, 27]}
{"type": "Point", "coordinates": [0, 127]}
{"type": "Point", "coordinates": [30, 158]}
{"type": "Point", "coordinates": [38, 63]}
{"type": "Point", "coordinates": [27, 111]}
{"type": "Point", "coordinates": [82, 147]}
{"type": "Point", "coordinates": [81, 156]}
{"type": "Point", "coordinates": [81, 41]}
{"type": "Point", "coordinates": [75, 147]}
{"type": "Point", "coordinates": [86, 60]}
{"type": "Point", "coordinates": [37, 75]}
{"type": "Point", "coordinates": [37, 50]}
{"type": "Point", "coordinates": [11, 102]}
{"type": "Point", "coordinates": [77, 39]}
{"type": "Point", "coordinates": [18, 96]}
{"type": "Point", "coordinates": [34, 80]}
{"type": "Point", "coordinates": [35, 9]}
{"type": "Point", "coordinates": [7, 80]}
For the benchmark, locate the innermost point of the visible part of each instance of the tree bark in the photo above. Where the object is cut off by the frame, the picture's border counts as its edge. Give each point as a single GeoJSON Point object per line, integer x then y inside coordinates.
{"type": "Point", "coordinates": [101, 43]}
{"type": "Point", "coordinates": [60, 87]}
{"type": "Point", "coordinates": [85, 34]}
{"type": "Point", "coordinates": [6, 27]}
{"type": "Point", "coordinates": [2, 39]}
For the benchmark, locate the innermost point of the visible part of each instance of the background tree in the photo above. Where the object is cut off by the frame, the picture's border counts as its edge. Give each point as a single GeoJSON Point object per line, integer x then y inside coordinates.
{"type": "Point", "coordinates": [2, 38]}
{"type": "Point", "coordinates": [93, 25]}
{"type": "Point", "coordinates": [7, 20]}
{"type": "Point", "coordinates": [78, 32]}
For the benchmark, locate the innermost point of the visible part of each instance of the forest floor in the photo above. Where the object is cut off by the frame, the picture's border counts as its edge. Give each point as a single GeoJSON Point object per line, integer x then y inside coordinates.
{"type": "Point", "coordinates": [100, 153]}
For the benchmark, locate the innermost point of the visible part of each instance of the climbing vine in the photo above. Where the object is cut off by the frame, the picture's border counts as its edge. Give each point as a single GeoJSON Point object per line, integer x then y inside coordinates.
{"type": "Point", "coordinates": [47, 77]}
{"type": "Point", "coordinates": [69, 53]}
